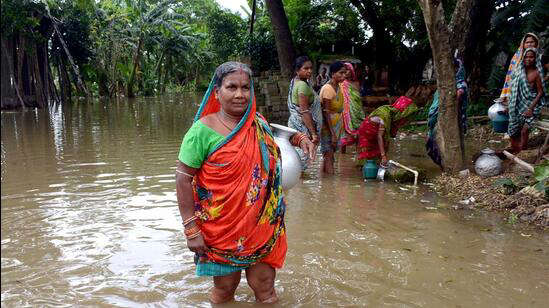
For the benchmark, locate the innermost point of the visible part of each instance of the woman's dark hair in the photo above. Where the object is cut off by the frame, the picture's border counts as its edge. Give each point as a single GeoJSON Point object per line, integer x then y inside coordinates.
{"type": "Point", "coordinates": [298, 64]}
{"type": "Point", "coordinates": [229, 68]}
{"type": "Point", "coordinates": [335, 67]}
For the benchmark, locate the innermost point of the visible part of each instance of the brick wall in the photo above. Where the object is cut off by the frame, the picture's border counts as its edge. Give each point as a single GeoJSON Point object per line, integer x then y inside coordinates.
{"type": "Point", "coordinates": [271, 94]}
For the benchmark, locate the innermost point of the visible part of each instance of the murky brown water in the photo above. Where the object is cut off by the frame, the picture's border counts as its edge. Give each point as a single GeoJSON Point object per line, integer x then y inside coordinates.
{"type": "Point", "coordinates": [89, 218]}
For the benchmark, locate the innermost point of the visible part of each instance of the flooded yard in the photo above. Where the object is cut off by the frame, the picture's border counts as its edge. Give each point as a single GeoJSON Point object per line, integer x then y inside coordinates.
{"type": "Point", "coordinates": [89, 217]}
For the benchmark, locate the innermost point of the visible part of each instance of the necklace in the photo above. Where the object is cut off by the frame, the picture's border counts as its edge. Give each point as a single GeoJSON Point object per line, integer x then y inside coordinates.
{"type": "Point", "coordinates": [226, 126]}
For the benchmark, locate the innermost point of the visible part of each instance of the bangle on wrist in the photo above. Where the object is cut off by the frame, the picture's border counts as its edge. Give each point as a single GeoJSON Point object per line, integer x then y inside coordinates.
{"type": "Point", "coordinates": [189, 220]}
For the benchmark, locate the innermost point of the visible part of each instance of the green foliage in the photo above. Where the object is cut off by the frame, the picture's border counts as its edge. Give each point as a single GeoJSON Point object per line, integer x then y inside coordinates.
{"type": "Point", "coordinates": [496, 79]}
{"type": "Point", "coordinates": [541, 174]}
{"type": "Point", "coordinates": [512, 219]}
{"type": "Point", "coordinates": [509, 187]}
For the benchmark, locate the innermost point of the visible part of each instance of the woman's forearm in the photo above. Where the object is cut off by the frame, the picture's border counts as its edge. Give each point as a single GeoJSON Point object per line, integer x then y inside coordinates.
{"type": "Point", "coordinates": [381, 144]}
{"type": "Point", "coordinates": [309, 123]}
{"type": "Point", "coordinates": [184, 196]}
{"type": "Point", "coordinates": [183, 180]}
{"type": "Point", "coordinates": [326, 116]}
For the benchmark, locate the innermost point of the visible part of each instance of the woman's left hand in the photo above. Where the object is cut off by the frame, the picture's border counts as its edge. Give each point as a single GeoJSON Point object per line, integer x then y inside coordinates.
{"type": "Point", "coordinates": [308, 148]}
{"type": "Point", "coordinates": [528, 113]}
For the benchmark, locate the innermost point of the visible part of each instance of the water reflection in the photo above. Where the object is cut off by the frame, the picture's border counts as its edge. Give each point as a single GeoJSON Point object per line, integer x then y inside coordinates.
{"type": "Point", "coordinates": [89, 218]}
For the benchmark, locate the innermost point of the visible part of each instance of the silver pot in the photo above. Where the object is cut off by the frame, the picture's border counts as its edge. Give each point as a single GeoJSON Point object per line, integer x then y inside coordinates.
{"type": "Point", "coordinates": [381, 173]}
{"type": "Point", "coordinates": [495, 108]}
{"type": "Point", "coordinates": [291, 164]}
{"type": "Point", "coordinates": [488, 164]}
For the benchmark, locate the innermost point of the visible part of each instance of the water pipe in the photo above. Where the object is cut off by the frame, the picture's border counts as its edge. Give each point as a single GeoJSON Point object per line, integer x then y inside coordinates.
{"type": "Point", "coordinates": [416, 174]}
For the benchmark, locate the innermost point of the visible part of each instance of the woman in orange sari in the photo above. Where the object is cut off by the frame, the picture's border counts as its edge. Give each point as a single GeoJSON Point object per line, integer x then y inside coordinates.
{"type": "Point", "coordinates": [228, 188]}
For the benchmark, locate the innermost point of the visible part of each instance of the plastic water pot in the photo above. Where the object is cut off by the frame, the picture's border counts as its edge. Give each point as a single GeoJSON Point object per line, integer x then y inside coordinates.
{"type": "Point", "coordinates": [369, 170]}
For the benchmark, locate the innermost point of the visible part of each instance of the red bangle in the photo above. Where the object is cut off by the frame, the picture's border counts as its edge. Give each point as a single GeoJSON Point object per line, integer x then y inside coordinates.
{"type": "Point", "coordinates": [194, 235]}
{"type": "Point", "coordinates": [190, 231]}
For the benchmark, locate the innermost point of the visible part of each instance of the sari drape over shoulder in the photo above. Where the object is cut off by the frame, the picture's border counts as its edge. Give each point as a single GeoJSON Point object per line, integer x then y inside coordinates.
{"type": "Point", "coordinates": [517, 57]}
{"type": "Point", "coordinates": [353, 114]}
{"type": "Point", "coordinates": [237, 194]}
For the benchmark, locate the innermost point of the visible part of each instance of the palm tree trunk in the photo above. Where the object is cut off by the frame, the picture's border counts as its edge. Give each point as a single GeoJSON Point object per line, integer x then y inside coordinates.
{"type": "Point", "coordinates": [136, 59]}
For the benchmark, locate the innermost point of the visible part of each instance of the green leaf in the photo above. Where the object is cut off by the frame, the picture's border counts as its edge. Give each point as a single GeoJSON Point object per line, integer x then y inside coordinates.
{"type": "Point", "coordinates": [504, 182]}
{"type": "Point", "coordinates": [541, 171]}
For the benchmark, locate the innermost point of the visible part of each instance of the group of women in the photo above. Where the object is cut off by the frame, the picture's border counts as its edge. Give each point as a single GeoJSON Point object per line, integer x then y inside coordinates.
{"type": "Point", "coordinates": [228, 174]}
{"type": "Point", "coordinates": [335, 118]}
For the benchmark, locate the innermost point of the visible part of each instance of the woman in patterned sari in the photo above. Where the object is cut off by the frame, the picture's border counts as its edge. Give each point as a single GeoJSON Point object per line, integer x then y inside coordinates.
{"type": "Point", "coordinates": [331, 114]}
{"type": "Point", "coordinates": [383, 123]}
{"type": "Point", "coordinates": [228, 188]}
{"type": "Point", "coordinates": [353, 114]}
{"type": "Point", "coordinates": [530, 40]}
{"type": "Point", "coordinates": [304, 105]}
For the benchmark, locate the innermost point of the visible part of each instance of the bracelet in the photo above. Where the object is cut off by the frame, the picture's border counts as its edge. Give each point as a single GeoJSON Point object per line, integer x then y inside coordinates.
{"type": "Point", "coordinates": [305, 111]}
{"type": "Point", "coordinates": [297, 138]}
{"type": "Point", "coordinates": [184, 173]}
{"type": "Point", "coordinates": [194, 235]}
{"type": "Point", "coordinates": [190, 231]}
{"type": "Point", "coordinates": [189, 220]}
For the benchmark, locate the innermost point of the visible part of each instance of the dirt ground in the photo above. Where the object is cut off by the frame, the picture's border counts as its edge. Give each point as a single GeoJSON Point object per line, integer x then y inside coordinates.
{"type": "Point", "coordinates": [510, 192]}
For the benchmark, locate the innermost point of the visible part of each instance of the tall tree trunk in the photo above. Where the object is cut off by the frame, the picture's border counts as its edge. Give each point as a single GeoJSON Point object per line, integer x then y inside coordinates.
{"type": "Point", "coordinates": [252, 19]}
{"type": "Point", "coordinates": [9, 84]}
{"type": "Point", "coordinates": [383, 51]}
{"type": "Point", "coordinates": [449, 134]}
{"type": "Point", "coordinates": [37, 80]}
{"type": "Point", "coordinates": [79, 82]}
{"type": "Point", "coordinates": [283, 36]}
{"type": "Point", "coordinates": [136, 59]}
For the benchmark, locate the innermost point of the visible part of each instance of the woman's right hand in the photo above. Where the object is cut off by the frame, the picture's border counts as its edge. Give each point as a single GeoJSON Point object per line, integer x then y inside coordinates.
{"type": "Point", "coordinates": [384, 161]}
{"type": "Point", "coordinates": [197, 245]}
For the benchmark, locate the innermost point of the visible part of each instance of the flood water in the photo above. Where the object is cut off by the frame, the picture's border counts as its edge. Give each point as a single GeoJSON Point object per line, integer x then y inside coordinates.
{"type": "Point", "coordinates": [89, 218]}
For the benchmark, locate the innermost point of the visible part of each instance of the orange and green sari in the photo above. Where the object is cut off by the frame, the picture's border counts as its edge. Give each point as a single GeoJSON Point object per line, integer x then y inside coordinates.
{"type": "Point", "coordinates": [238, 197]}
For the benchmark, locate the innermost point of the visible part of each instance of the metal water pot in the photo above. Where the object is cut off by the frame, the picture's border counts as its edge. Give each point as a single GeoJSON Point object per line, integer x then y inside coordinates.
{"type": "Point", "coordinates": [488, 164]}
{"type": "Point", "coordinates": [291, 164]}
{"type": "Point", "coordinates": [495, 108]}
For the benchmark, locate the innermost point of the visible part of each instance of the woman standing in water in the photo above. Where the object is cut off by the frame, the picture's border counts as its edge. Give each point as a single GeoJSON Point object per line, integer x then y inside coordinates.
{"type": "Point", "coordinates": [331, 112]}
{"type": "Point", "coordinates": [228, 188]}
{"type": "Point", "coordinates": [353, 114]}
{"type": "Point", "coordinates": [304, 105]}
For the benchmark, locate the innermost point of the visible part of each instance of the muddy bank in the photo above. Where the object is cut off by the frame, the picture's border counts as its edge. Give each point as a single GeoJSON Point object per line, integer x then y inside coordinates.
{"type": "Point", "coordinates": [511, 192]}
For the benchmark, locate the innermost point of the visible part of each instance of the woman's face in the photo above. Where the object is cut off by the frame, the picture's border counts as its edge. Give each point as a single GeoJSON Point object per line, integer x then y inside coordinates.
{"type": "Point", "coordinates": [339, 76]}
{"type": "Point", "coordinates": [305, 71]}
{"type": "Point", "coordinates": [234, 93]}
{"type": "Point", "coordinates": [348, 74]}
{"type": "Point", "coordinates": [529, 58]}
{"type": "Point", "coordinates": [530, 42]}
